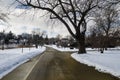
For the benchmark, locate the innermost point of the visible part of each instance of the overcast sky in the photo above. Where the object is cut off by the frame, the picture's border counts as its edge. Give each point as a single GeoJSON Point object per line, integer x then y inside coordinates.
{"type": "Point", "coordinates": [22, 21]}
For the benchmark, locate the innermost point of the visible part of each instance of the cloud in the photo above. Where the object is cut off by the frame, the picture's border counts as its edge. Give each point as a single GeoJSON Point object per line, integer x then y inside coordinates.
{"type": "Point", "coordinates": [22, 20]}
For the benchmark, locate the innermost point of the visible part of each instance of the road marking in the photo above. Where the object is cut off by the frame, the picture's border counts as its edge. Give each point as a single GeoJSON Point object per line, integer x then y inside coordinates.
{"type": "Point", "coordinates": [32, 67]}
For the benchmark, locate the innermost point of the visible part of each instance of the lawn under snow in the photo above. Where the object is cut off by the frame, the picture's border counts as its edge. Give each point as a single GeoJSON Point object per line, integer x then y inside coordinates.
{"type": "Point", "coordinates": [12, 58]}
{"type": "Point", "coordinates": [61, 48]}
{"type": "Point", "coordinates": [108, 62]}
{"type": "Point", "coordinates": [73, 50]}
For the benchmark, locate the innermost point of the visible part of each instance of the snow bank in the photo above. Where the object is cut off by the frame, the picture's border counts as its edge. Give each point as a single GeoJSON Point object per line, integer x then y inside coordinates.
{"type": "Point", "coordinates": [61, 48]}
{"type": "Point", "coordinates": [108, 62]}
{"type": "Point", "coordinates": [12, 58]}
{"type": "Point", "coordinates": [67, 48]}
{"type": "Point", "coordinates": [74, 49]}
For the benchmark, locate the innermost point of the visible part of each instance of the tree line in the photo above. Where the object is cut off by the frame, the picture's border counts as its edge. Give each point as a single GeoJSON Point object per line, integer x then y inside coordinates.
{"type": "Point", "coordinates": [22, 40]}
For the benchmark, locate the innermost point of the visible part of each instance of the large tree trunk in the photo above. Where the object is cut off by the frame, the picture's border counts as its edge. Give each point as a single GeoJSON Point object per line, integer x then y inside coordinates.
{"type": "Point", "coordinates": [81, 43]}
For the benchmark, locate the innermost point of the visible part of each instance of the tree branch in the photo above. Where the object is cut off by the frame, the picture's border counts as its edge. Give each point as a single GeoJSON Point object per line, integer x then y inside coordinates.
{"type": "Point", "coordinates": [53, 12]}
{"type": "Point", "coordinates": [67, 14]}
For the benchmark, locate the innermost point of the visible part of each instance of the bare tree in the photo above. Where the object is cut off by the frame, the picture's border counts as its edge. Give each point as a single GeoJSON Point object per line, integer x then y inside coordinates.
{"type": "Point", "coordinates": [3, 21]}
{"type": "Point", "coordinates": [97, 38]}
{"type": "Point", "coordinates": [72, 13]}
{"type": "Point", "coordinates": [107, 21]}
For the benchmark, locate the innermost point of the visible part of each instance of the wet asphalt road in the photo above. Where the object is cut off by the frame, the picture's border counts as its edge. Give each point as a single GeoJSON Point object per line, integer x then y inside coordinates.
{"type": "Point", "coordinates": [55, 65]}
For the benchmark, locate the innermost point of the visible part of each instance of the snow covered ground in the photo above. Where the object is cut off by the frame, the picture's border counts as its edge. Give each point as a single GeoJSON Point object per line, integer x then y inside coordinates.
{"type": "Point", "coordinates": [61, 48]}
{"type": "Point", "coordinates": [73, 50]}
{"type": "Point", "coordinates": [12, 58]}
{"type": "Point", "coordinates": [108, 62]}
